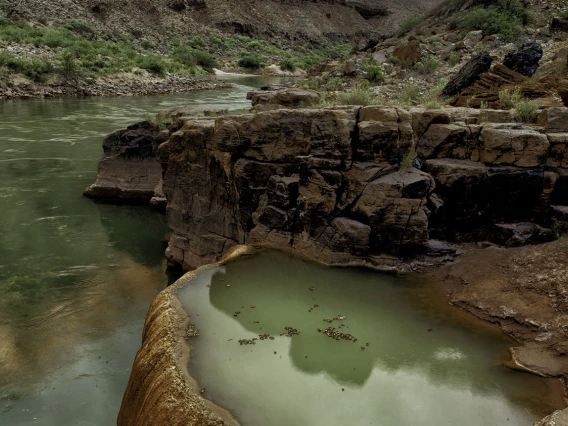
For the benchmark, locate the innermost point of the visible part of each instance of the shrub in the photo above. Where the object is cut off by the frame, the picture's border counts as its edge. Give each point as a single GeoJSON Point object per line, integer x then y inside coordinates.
{"type": "Point", "coordinates": [188, 56]}
{"type": "Point", "coordinates": [508, 98]}
{"type": "Point", "coordinates": [454, 58]}
{"type": "Point", "coordinates": [153, 63]}
{"type": "Point", "coordinates": [408, 24]}
{"type": "Point", "coordinates": [250, 61]}
{"type": "Point", "coordinates": [563, 14]}
{"type": "Point", "coordinates": [410, 94]}
{"type": "Point", "coordinates": [426, 66]}
{"type": "Point", "coordinates": [36, 69]}
{"type": "Point", "coordinates": [79, 26]}
{"type": "Point", "coordinates": [375, 72]}
{"type": "Point", "coordinates": [287, 65]}
{"type": "Point", "coordinates": [334, 84]}
{"type": "Point", "coordinates": [504, 17]}
{"type": "Point", "coordinates": [197, 42]}
{"type": "Point", "coordinates": [483, 105]}
{"type": "Point", "coordinates": [147, 44]}
{"type": "Point", "coordinates": [69, 67]}
{"type": "Point", "coordinates": [525, 109]}
{"type": "Point", "coordinates": [311, 83]}
{"type": "Point", "coordinates": [358, 97]}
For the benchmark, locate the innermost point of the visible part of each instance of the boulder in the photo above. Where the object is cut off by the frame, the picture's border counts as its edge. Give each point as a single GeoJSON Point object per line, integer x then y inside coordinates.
{"type": "Point", "coordinates": [350, 235]}
{"type": "Point", "coordinates": [444, 141]}
{"type": "Point", "coordinates": [554, 119]}
{"type": "Point", "coordinates": [520, 234]}
{"type": "Point", "coordinates": [468, 74]}
{"type": "Point", "coordinates": [437, 248]}
{"type": "Point", "coordinates": [350, 68]}
{"type": "Point", "coordinates": [472, 38]}
{"type": "Point", "coordinates": [563, 91]}
{"type": "Point", "coordinates": [512, 145]}
{"type": "Point", "coordinates": [526, 59]}
{"type": "Point", "coordinates": [409, 54]}
{"type": "Point", "coordinates": [559, 24]}
{"type": "Point", "coordinates": [287, 97]}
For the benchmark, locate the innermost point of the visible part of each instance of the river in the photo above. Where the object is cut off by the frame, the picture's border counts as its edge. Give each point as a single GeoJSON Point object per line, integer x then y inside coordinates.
{"type": "Point", "coordinates": [76, 277]}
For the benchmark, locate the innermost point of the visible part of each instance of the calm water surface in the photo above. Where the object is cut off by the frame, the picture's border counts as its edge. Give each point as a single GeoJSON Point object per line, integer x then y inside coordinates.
{"type": "Point", "coordinates": [76, 277]}
{"type": "Point", "coordinates": [416, 361]}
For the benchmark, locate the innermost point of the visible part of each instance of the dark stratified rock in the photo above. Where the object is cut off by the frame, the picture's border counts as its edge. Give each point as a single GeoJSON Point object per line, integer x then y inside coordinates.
{"type": "Point", "coordinates": [525, 60]}
{"type": "Point", "coordinates": [468, 75]}
{"type": "Point", "coordinates": [129, 169]}
{"type": "Point", "coordinates": [563, 91]}
{"type": "Point", "coordinates": [344, 184]}
{"type": "Point", "coordinates": [520, 234]}
{"type": "Point", "coordinates": [559, 24]}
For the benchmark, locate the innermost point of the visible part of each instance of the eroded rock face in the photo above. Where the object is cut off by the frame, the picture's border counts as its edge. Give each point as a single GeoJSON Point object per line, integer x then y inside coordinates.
{"type": "Point", "coordinates": [355, 184]}
{"type": "Point", "coordinates": [129, 169]}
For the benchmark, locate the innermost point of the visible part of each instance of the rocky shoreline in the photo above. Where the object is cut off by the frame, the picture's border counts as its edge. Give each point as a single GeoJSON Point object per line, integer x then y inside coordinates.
{"type": "Point", "coordinates": [120, 86]}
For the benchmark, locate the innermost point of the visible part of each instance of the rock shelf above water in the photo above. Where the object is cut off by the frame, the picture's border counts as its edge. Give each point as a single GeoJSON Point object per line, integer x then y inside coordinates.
{"type": "Point", "coordinates": [345, 185]}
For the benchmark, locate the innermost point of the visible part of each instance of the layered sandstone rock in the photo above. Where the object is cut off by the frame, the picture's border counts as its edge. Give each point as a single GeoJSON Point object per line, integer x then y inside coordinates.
{"type": "Point", "coordinates": [349, 184]}
{"type": "Point", "coordinates": [129, 169]}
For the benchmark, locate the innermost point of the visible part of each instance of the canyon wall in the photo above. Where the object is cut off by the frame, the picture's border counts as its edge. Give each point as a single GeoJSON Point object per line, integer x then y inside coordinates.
{"type": "Point", "coordinates": [366, 185]}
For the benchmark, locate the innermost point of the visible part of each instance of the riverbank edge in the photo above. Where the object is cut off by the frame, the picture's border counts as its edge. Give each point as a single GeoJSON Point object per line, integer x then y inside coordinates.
{"type": "Point", "coordinates": [112, 87]}
{"type": "Point", "coordinates": [175, 394]}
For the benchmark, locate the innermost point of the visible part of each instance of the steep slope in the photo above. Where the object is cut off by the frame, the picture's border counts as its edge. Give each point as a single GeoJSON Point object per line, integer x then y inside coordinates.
{"type": "Point", "coordinates": [307, 20]}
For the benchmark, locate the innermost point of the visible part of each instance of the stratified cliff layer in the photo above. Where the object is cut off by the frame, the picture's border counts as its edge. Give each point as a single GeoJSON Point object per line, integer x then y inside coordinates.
{"type": "Point", "coordinates": [365, 185]}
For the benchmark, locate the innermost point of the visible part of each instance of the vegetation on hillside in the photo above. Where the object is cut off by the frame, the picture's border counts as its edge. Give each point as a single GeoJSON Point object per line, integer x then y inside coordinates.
{"type": "Point", "coordinates": [75, 51]}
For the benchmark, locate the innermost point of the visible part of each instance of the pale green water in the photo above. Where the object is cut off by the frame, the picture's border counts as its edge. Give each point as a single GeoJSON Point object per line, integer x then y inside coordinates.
{"type": "Point", "coordinates": [76, 277]}
{"type": "Point", "coordinates": [427, 363]}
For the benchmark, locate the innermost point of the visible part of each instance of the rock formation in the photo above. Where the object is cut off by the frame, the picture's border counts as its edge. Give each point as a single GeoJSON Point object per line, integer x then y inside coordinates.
{"type": "Point", "coordinates": [348, 184]}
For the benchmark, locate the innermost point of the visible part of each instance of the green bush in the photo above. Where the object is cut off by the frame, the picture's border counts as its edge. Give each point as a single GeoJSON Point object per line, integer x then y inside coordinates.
{"type": "Point", "coordinates": [408, 24]}
{"type": "Point", "coordinates": [334, 84]}
{"type": "Point", "coordinates": [375, 72]}
{"type": "Point", "coordinates": [563, 14]}
{"type": "Point", "coordinates": [509, 98]}
{"type": "Point", "coordinates": [79, 26]}
{"type": "Point", "coordinates": [188, 56]}
{"type": "Point", "coordinates": [426, 66]}
{"type": "Point", "coordinates": [288, 65]}
{"type": "Point", "coordinates": [153, 63]}
{"type": "Point", "coordinates": [525, 109]}
{"type": "Point", "coordinates": [36, 69]}
{"type": "Point", "coordinates": [454, 58]}
{"type": "Point", "coordinates": [147, 44]}
{"type": "Point", "coordinates": [358, 97]}
{"type": "Point", "coordinates": [504, 17]}
{"type": "Point", "coordinates": [250, 61]}
{"type": "Point", "coordinates": [69, 67]}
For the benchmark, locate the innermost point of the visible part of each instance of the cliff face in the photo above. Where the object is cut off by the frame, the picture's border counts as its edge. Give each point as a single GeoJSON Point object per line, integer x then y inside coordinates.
{"type": "Point", "coordinates": [361, 184]}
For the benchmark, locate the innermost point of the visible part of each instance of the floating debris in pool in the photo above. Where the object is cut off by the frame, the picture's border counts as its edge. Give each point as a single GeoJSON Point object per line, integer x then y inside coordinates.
{"type": "Point", "coordinates": [338, 318]}
{"type": "Point", "coordinates": [256, 322]}
{"type": "Point", "coordinates": [192, 331]}
{"type": "Point", "coordinates": [228, 285]}
{"type": "Point", "coordinates": [290, 331]}
{"type": "Point", "coordinates": [202, 390]}
{"type": "Point", "coordinates": [247, 342]}
{"type": "Point", "coordinates": [362, 348]}
{"type": "Point", "coordinates": [337, 335]}
{"type": "Point", "coordinates": [252, 306]}
{"type": "Point", "coordinates": [265, 336]}
{"type": "Point", "coordinates": [367, 344]}
{"type": "Point", "coordinates": [237, 313]}
{"type": "Point", "coordinates": [312, 288]}
{"type": "Point", "coordinates": [316, 306]}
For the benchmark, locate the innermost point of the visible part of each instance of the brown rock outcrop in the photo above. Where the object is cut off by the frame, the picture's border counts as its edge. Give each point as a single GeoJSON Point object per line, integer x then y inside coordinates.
{"type": "Point", "coordinates": [352, 184]}
{"type": "Point", "coordinates": [129, 169]}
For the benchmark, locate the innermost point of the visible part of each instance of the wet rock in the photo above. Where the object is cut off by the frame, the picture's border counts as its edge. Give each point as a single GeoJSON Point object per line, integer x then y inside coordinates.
{"type": "Point", "coordinates": [526, 59]}
{"type": "Point", "coordinates": [468, 74]}
{"type": "Point", "coordinates": [558, 418]}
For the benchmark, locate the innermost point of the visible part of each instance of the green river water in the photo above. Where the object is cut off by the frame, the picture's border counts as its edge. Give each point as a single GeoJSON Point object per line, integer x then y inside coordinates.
{"type": "Point", "coordinates": [77, 277]}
